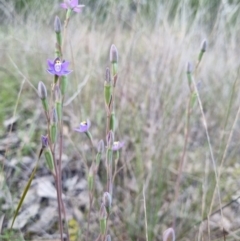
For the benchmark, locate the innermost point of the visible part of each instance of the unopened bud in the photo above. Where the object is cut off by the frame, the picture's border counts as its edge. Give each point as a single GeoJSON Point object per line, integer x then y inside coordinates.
{"type": "Point", "coordinates": [189, 68]}
{"type": "Point", "coordinates": [44, 140]}
{"type": "Point", "coordinates": [108, 76]}
{"type": "Point", "coordinates": [204, 45]}
{"type": "Point", "coordinates": [49, 159]}
{"type": "Point", "coordinates": [107, 88]}
{"type": "Point", "coordinates": [169, 235]}
{"type": "Point", "coordinates": [100, 147]}
{"type": "Point", "coordinates": [107, 201]}
{"type": "Point", "coordinates": [113, 54]}
{"type": "Point", "coordinates": [110, 138]}
{"type": "Point", "coordinates": [57, 25]}
{"type": "Point", "coordinates": [203, 50]}
{"type": "Point", "coordinates": [103, 219]}
{"type": "Point", "coordinates": [108, 238]}
{"type": "Point", "coordinates": [42, 91]}
{"type": "Point", "coordinates": [54, 118]}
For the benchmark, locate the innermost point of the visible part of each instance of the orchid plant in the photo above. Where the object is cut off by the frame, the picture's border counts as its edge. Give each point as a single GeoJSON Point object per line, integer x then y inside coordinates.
{"type": "Point", "coordinates": [53, 110]}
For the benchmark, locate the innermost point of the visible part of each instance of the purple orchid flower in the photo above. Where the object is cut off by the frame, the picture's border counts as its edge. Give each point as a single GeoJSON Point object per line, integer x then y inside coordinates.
{"type": "Point", "coordinates": [117, 145]}
{"type": "Point", "coordinates": [83, 127]}
{"type": "Point", "coordinates": [73, 5]}
{"type": "Point", "coordinates": [44, 140]}
{"type": "Point", "coordinates": [58, 67]}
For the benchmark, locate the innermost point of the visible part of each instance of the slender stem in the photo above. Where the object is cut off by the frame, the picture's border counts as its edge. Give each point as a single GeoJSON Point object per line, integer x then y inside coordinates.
{"type": "Point", "coordinates": [89, 212]}
{"type": "Point", "coordinates": [145, 213]}
{"type": "Point", "coordinates": [60, 170]}
{"type": "Point", "coordinates": [210, 148]}
{"type": "Point", "coordinates": [181, 164]}
{"type": "Point", "coordinates": [92, 191]}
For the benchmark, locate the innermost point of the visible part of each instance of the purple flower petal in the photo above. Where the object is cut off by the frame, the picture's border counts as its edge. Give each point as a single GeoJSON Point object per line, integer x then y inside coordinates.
{"type": "Point", "coordinates": [44, 140]}
{"type": "Point", "coordinates": [65, 64]}
{"type": "Point", "coordinates": [73, 3]}
{"type": "Point", "coordinates": [66, 72]}
{"type": "Point", "coordinates": [50, 63]}
{"type": "Point", "coordinates": [64, 5]}
{"type": "Point", "coordinates": [84, 126]}
{"type": "Point", "coordinates": [51, 71]}
{"type": "Point", "coordinates": [78, 8]}
{"type": "Point", "coordinates": [117, 145]}
{"type": "Point", "coordinates": [57, 67]}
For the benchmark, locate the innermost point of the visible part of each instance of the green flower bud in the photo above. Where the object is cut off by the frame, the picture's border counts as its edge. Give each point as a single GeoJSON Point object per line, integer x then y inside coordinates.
{"type": "Point", "coordinates": [103, 219]}
{"type": "Point", "coordinates": [53, 133]}
{"type": "Point", "coordinates": [100, 148]}
{"type": "Point", "coordinates": [107, 201]}
{"type": "Point", "coordinates": [42, 93]}
{"type": "Point", "coordinates": [203, 49]}
{"type": "Point", "coordinates": [49, 159]}
{"type": "Point", "coordinates": [110, 138]}
{"type": "Point", "coordinates": [58, 107]}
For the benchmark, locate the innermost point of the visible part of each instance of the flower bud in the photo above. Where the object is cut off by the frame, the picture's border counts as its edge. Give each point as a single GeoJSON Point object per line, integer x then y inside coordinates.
{"type": "Point", "coordinates": [169, 235]}
{"type": "Point", "coordinates": [204, 45]}
{"type": "Point", "coordinates": [57, 25]}
{"type": "Point", "coordinates": [107, 88]}
{"type": "Point", "coordinates": [203, 49]}
{"type": "Point", "coordinates": [108, 76]}
{"type": "Point", "coordinates": [107, 201]}
{"type": "Point", "coordinates": [189, 68]}
{"type": "Point", "coordinates": [44, 140]}
{"type": "Point", "coordinates": [42, 91]}
{"type": "Point", "coordinates": [108, 238]}
{"type": "Point", "coordinates": [110, 138]}
{"type": "Point", "coordinates": [49, 159]}
{"type": "Point", "coordinates": [113, 54]}
{"type": "Point", "coordinates": [54, 118]}
{"type": "Point", "coordinates": [100, 147]}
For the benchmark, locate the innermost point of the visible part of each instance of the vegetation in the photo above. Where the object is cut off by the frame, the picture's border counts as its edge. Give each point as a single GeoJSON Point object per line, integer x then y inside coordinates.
{"type": "Point", "coordinates": [155, 41]}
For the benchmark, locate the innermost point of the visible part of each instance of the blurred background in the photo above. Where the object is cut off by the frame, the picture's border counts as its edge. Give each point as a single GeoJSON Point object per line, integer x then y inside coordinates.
{"type": "Point", "coordinates": [155, 40]}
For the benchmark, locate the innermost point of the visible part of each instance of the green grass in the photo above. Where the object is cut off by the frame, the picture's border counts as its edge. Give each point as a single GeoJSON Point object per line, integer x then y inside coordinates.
{"type": "Point", "coordinates": [155, 39]}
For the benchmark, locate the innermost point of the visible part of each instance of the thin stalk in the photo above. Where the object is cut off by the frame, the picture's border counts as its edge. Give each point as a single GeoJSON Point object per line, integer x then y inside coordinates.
{"type": "Point", "coordinates": [92, 191]}
{"type": "Point", "coordinates": [210, 147]}
{"type": "Point", "coordinates": [60, 170]}
{"type": "Point", "coordinates": [145, 213]}
{"type": "Point", "coordinates": [230, 135]}
{"type": "Point", "coordinates": [89, 212]}
{"type": "Point", "coordinates": [181, 163]}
